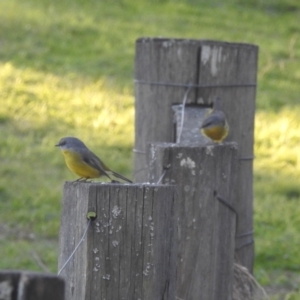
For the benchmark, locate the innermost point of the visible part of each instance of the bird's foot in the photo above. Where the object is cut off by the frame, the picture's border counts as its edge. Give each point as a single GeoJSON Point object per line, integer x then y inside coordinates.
{"type": "Point", "coordinates": [115, 181]}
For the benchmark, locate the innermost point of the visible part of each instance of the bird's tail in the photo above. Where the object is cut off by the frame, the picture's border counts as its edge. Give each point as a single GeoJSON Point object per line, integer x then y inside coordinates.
{"type": "Point", "coordinates": [120, 176]}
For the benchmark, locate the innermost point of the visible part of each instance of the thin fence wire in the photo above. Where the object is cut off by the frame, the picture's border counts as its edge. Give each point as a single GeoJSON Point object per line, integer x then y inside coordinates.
{"type": "Point", "coordinates": [197, 86]}
{"type": "Point", "coordinates": [76, 248]}
{"type": "Point", "coordinates": [182, 113]}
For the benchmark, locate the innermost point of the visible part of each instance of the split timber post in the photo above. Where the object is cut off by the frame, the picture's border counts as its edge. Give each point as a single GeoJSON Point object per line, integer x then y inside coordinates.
{"type": "Point", "coordinates": [207, 178]}
{"type": "Point", "coordinates": [24, 285]}
{"type": "Point", "coordinates": [129, 251]}
{"type": "Point", "coordinates": [169, 70]}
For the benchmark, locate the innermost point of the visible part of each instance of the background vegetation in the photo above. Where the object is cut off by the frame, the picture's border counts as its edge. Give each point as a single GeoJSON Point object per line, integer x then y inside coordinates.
{"type": "Point", "coordinates": [66, 68]}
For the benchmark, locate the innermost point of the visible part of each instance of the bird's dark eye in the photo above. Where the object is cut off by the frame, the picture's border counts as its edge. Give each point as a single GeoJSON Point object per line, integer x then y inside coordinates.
{"type": "Point", "coordinates": [62, 143]}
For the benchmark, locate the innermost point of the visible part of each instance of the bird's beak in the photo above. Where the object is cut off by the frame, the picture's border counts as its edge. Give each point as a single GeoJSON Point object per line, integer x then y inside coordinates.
{"type": "Point", "coordinates": [57, 145]}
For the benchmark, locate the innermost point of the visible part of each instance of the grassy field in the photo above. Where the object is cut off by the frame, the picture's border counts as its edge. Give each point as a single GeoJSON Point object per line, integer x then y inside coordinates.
{"type": "Point", "coordinates": [66, 68]}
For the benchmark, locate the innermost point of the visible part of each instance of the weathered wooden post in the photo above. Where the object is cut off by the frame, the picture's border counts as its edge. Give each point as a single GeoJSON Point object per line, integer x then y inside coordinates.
{"type": "Point", "coordinates": [24, 285]}
{"type": "Point", "coordinates": [130, 248]}
{"type": "Point", "coordinates": [168, 71]}
{"type": "Point", "coordinates": [207, 178]}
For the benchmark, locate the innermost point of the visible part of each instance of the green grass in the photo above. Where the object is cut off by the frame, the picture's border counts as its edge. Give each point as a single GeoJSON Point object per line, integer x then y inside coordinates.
{"type": "Point", "coordinates": [66, 68]}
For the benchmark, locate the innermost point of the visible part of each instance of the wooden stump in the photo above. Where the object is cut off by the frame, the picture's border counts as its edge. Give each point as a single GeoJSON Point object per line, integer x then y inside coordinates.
{"type": "Point", "coordinates": [24, 285]}
{"type": "Point", "coordinates": [207, 184]}
{"type": "Point", "coordinates": [167, 71]}
{"type": "Point", "coordinates": [130, 250]}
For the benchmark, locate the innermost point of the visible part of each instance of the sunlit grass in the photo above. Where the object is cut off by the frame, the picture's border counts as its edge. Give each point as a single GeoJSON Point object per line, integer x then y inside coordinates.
{"type": "Point", "coordinates": [277, 196]}
{"type": "Point", "coordinates": [66, 68]}
{"type": "Point", "coordinates": [277, 141]}
{"type": "Point", "coordinates": [34, 100]}
{"type": "Point", "coordinates": [39, 109]}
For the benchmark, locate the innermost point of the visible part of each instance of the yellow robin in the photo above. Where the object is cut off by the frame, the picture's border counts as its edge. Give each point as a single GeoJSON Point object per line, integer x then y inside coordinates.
{"type": "Point", "coordinates": [215, 125]}
{"type": "Point", "coordinates": [83, 161]}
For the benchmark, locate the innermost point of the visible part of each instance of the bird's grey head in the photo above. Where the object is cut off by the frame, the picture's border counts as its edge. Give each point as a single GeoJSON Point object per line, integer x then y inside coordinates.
{"type": "Point", "coordinates": [70, 142]}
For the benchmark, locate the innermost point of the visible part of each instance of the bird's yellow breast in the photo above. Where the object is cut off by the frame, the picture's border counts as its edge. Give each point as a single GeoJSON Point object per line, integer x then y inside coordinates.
{"type": "Point", "coordinates": [216, 133]}
{"type": "Point", "coordinates": [78, 166]}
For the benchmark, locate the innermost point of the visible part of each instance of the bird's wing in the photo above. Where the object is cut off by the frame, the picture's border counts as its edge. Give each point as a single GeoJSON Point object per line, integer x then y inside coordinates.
{"type": "Point", "coordinates": [207, 122]}
{"type": "Point", "coordinates": [94, 161]}
{"type": "Point", "coordinates": [216, 118]}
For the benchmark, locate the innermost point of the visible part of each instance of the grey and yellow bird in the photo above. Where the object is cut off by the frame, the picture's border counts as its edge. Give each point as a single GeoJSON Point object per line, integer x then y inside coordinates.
{"type": "Point", "coordinates": [83, 162]}
{"type": "Point", "coordinates": [215, 125]}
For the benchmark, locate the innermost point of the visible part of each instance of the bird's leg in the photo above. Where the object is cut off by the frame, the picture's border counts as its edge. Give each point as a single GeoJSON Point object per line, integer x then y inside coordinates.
{"type": "Point", "coordinates": [115, 181]}
{"type": "Point", "coordinates": [81, 179]}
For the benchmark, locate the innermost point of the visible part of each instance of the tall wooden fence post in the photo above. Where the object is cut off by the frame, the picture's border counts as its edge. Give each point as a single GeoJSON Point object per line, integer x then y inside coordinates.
{"type": "Point", "coordinates": [24, 285]}
{"type": "Point", "coordinates": [169, 70]}
{"type": "Point", "coordinates": [130, 248]}
{"type": "Point", "coordinates": [207, 178]}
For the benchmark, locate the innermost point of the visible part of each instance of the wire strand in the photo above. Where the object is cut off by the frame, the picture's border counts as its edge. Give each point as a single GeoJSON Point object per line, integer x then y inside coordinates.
{"type": "Point", "coordinates": [182, 113]}
{"type": "Point", "coordinates": [162, 176]}
{"type": "Point", "coordinates": [199, 86]}
{"type": "Point", "coordinates": [138, 151]}
{"type": "Point", "coordinates": [245, 234]}
{"type": "Point", "coordinates": [74, 251]}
